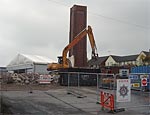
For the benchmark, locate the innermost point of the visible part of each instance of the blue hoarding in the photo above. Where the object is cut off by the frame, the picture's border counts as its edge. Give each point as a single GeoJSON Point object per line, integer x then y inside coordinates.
{"type": "Point", "coordinates": [140, 69]}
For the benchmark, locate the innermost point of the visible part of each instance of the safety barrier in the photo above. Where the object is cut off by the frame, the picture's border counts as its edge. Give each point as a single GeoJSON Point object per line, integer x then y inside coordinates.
{"type": "Point", "coordinates": [107, 100]}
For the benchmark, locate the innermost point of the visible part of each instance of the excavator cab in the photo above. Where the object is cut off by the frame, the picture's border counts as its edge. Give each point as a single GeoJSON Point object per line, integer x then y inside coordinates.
{"type": "Point", "coordinates": [60, 59]}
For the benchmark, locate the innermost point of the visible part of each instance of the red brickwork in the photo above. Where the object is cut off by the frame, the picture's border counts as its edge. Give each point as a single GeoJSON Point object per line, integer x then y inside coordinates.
{"type": "Point", "coordinates": [78, 21]}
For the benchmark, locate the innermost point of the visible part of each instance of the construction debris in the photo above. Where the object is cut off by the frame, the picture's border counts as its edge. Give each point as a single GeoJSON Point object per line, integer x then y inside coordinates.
{"type": "Point", "coordinates": [29, 78]}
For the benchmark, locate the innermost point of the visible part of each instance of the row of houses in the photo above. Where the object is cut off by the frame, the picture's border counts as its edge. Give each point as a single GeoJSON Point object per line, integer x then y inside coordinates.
{"type": "Point", "coordinates": [112, 60]}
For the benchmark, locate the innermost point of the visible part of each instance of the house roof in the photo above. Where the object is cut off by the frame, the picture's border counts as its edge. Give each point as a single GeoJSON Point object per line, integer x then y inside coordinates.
{"type": "Point", "coordinates": [130, 57]}
{"type": "Point", "coordinates": [124, 58]}
{"type": "Point", "coordinates": [146, 53]}
{"type": "Point", "coordinates": [116, 58]}
{"type": "Point", "coordinates": [97, 61]}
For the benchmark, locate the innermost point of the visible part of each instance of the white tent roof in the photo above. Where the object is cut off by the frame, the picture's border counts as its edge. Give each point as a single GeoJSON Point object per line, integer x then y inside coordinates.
{"type": "Point", "coordinates": [38, 59]}
{"type": "Point", "coordinates": [23, 59]}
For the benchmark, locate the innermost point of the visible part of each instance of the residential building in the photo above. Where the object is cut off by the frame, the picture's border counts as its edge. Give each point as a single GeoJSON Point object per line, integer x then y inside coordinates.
{"type": "Point", "coordinates": [112, 60]}
{"type": "Point", "coordinates": [121, 60]}
{"type": "Point", "coordinates": [143, 58]}
{"type": "Point", "coordinates": [98, 62]}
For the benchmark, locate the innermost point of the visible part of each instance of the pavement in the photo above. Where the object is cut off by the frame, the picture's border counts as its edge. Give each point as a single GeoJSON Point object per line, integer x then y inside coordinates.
{"type": "Point", "coordinates": [81, 101]}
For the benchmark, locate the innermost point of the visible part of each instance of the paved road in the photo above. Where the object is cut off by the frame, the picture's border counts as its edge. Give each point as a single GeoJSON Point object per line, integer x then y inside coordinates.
{"type": "Point", "coordinates": [58, 102]}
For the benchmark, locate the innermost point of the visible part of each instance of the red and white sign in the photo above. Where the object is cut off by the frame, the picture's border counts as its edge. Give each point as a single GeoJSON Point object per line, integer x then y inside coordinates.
{"type": "Point", "coordinates": [143, 81]}
{"type": "Point", "coordinates": [45, 79]}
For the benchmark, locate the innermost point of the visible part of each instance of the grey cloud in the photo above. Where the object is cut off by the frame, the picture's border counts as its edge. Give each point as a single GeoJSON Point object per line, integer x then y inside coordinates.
{"type": "Point", "coordinates": [42, 26]}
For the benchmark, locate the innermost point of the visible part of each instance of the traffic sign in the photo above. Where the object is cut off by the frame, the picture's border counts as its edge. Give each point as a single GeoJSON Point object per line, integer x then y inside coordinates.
{"type": "Point", "coordinates": [144, 82]}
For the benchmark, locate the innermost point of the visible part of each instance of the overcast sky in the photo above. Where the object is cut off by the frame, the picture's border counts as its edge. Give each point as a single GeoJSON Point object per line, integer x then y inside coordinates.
{"type": "Point", "coordinates": [41, 27]}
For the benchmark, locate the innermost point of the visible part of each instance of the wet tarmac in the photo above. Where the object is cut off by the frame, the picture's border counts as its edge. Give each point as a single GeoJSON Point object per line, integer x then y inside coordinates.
{"type": "Point", "coordinates": [58, 102]}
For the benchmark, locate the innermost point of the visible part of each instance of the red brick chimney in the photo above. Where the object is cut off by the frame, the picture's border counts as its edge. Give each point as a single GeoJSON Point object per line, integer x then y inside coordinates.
{"type": "Point", "coordinates": [78, 21]}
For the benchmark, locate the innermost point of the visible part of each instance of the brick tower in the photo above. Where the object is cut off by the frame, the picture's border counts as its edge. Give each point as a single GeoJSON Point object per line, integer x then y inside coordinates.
{"type": "Point", "coordinates": [78, 21]}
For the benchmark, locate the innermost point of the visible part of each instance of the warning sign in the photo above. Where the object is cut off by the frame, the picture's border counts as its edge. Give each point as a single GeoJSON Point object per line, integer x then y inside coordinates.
{"type": "Point", "coordinates": [143, 81]}
{"type": "Point", "coordinates": [136, 85]}
{"type": "Point", "coordinates": [123, 90]}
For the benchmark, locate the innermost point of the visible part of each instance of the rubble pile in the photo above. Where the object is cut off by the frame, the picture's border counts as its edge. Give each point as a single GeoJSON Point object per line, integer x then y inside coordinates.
{"type": "Point", "coordinates": [28, 78]}
{"type": "Point", "coordinates": [25, 78]}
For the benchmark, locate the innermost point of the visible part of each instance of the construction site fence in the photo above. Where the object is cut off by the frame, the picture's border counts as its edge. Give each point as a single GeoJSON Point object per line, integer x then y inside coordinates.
{"type": "Point", "coordinates": [103, 80]}
{"type": "Point", "coordinates": [107, 83]}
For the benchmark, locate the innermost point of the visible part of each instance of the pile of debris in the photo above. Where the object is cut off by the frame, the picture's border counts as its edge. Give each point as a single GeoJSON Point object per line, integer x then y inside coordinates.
{"type": "Point", "coordinates": [25, 78]}
{"type": "Point", "coordinates": [29, 78]}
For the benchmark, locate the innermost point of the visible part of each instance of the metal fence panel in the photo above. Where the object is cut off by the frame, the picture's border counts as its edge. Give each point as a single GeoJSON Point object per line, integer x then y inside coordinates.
{"type": "Point", "coordinates": [140, 95]}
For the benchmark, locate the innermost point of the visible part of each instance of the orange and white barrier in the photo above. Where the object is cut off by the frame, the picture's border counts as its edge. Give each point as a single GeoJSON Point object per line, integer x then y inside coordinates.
{"type": "Point", "coordinates": [107, 100]}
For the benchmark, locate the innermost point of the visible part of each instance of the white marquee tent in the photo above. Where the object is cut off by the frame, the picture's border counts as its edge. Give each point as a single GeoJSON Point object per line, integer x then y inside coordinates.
{"type": "Point", "coordinates": [29, 63]}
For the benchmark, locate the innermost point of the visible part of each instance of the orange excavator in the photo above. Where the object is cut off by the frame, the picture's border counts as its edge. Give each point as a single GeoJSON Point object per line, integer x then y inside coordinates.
{"type": "Point", "coordinates": [63, 62]}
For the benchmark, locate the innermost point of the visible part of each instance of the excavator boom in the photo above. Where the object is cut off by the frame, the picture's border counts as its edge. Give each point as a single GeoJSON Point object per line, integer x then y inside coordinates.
{"type": "Point", "coordinates": [78, 38]}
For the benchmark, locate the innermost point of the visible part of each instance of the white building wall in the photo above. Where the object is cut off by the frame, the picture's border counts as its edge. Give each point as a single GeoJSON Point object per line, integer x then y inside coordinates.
{"type": "Point", "coordinates": [33, 68]}
{"type": "Point", "coordinates": [21, 66]}
{"type": "Point", "coordinates": [40, 68]}
{"type": "Point", "coordinates": [110, 61]}
{"type": "Point", "coordinates": [140, 58]}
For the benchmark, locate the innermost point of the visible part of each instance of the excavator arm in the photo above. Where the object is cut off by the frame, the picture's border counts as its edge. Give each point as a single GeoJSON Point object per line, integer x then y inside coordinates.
{"type": "Point", "coordinates": [92, 42]}
{"type": "Point", "coordinates": [79, 37]}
